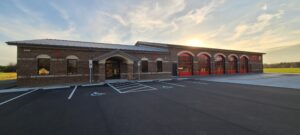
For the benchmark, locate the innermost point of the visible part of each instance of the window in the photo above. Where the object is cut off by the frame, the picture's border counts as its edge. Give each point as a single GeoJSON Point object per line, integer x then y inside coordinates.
{"type": "Point", "coordinates": [43, 66]}
{"type": "Point", "coordinates": [144, 66]}
{"type": "Point", "coordinates": [71, 66]}
{"type": "Point", "coordinates": [159, 66]}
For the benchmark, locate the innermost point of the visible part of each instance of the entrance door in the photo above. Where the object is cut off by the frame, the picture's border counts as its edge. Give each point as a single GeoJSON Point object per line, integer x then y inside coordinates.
{"type": "Point", "coordinates": [112, 69]}
{"type": "Point", "coordinates": [174, 71]}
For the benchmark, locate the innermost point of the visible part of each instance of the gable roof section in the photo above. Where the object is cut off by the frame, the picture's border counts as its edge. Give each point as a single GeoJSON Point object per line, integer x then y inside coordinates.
{"type": "Point", "coordinates": [165, 45]}
{"type": "Point", "coordinates": [81, 44]}
{"type": "Point", "coordinates": [113, 53]}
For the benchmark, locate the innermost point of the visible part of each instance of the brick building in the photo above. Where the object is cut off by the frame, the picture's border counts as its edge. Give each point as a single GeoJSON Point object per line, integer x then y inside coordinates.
{"type": "Point", "coordinates": [51, 61]}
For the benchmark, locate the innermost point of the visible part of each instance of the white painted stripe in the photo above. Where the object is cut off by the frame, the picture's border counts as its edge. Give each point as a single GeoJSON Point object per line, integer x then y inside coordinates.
{"type": "Point", "coordinates": [143, 87]}
{"type": "Point", "coordinates": [72, 93]}
{"type": "Point", "coordinates": [123, 88]}
{"type": "Point", "coordinates": [197, 82]}
{"type": "Point", "coordinates": [182, 78]}
{"type": "Point", "coordinates": [148, 86]}
{"type": "Point", "coordinates": [93, 84]}
{"type": "Point", "coordinates": [123, 85]}
{"type": "Point", "coordinates": [18, 97]}
{"type": "Point", "coordinates": [145, 81]}
{"type": "Point", "coordinates": [56, 87]}
{"type": "Point", "coordinates": [14, 90]}
{"type": "Point", "coordinates": [113, 87]}
{"type": "Point", "coordinates": [161, 80]}
{"type": "Point", "coordinates": [173, 84]}
{"type": "Point", "coordinates": [138, 91]}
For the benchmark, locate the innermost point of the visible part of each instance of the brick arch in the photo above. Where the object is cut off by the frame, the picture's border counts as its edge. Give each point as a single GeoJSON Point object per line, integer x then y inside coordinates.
{"type": "Point", "coordinates": [236, 56]}
{"type": "Point", "coordinates": [144, 58]}
{"type": "Point", "coordinates": [221, 55]}
{"type": "Point", "coordinates": [232, 64]}
{"type": "Point", "coordinates": [244, 56]}
{"type": "Point", "coordinates": [43, 56]}
{"type": "Point", "coordinates": [185, 51]}
{"type": "Point", "coordinates": [159, 59]}
{"type": "Point", "coordinates": [72, 57]}
{"type": "Point", "coordinates": [206, 53]}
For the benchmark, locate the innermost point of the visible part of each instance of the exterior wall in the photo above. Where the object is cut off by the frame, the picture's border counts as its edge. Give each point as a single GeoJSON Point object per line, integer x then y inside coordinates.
{"type": "Point", "coordinates": [255, 64]}
{"type": "Point", "coordinates": [27, 64]}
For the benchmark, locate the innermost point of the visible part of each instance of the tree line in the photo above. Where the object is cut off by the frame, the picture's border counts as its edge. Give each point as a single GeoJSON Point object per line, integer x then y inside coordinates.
{"type": "Point", "coordinates": [9, 68]}
{"type": "Point", "coordinates": [283, 65]}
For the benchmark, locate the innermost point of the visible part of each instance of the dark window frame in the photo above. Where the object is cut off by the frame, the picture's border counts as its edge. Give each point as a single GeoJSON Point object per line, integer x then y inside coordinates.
{"type": "Point", "coordinates": [40, 66]}
{"type": "Point", "coordinates": [159, 66]}
{"type": "Point", "coordinates": [72, 72]}
{"type": "Point", "coordinates": [145, 64]}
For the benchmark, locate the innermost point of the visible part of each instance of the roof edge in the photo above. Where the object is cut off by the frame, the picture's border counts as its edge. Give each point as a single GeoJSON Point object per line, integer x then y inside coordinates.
{"type": "Point", "coordinates": [181, 45]}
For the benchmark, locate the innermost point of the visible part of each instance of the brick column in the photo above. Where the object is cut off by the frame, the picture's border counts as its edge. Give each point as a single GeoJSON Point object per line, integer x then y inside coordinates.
{"type": "Point", "coordinates": [226, 66]}
{"type": "Point", "coordinates": [101, 72]}
{"type": "Point", "coordinates": [130, 71]}
{"type": "Point", "coordinates": [238, 66]}
{"type": "Point", "coordinates": [212, 65]}
{"type": "Point", "coordinates": [195, 68]}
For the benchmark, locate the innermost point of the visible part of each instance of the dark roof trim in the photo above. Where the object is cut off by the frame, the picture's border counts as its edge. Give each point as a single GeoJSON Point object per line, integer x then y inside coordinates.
{"type": "Point", "coordinates": [81, 44]}
{"type": "Point", "coordinates": [166, 45]}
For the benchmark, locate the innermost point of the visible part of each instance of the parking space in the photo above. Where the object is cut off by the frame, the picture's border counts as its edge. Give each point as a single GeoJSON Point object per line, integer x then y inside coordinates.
{"type": "Point", "coordinates": [267, 79]}
{"type": "Point", "coordinates": [176, 107]}
{"type": "Point", "coordinates": [129, 87]}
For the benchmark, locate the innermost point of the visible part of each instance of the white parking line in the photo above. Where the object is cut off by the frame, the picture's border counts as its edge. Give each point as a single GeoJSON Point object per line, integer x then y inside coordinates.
{"type": "Point", "coordinates": [72, 93]}
{"type": "Point", "coordinates": [114, 87]}
{"type": "Point", "coordinates": [18, 97]}
{"type": "Point", "coordinates": [123, 88]}
{"type": "Point", "coordinates": [173, 84]}
{"type": "Point", "coordinates": [197, 82]}
{"type": "Point", "coordinates": [132, 87]}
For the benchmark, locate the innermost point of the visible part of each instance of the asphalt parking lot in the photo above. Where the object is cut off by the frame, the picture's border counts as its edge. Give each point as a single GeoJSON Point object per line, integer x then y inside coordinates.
{"type": "Point", "coordinates": [185, 107]}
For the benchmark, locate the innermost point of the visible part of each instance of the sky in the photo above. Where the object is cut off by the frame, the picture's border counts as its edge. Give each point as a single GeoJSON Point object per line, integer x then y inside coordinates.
{"type": "Point", "coordinates": [270, 26]}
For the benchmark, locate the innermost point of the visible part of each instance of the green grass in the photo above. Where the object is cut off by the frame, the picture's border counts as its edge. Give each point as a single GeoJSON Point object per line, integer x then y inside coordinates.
{"type": "Point", "coordinates": [8, 76]}
{"type": "Point", "coordinates": [282, 70]}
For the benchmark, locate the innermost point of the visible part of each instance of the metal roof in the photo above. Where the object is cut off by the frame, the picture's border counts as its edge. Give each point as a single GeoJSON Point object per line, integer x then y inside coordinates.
{"type": "Point", "coordinates": [81, 44]}
{"type": "Point", "coordinates": [166, 45]}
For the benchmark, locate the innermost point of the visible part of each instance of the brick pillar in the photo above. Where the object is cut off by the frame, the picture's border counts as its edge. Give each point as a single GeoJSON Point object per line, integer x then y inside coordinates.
{"type": "Point", "coordinates": [195, 68]}
{"type": "Point", "coordinates": [212, 65]}
{"type": "Point", "coordinates": [130, 71]}
{"type": "Point", "coordinates": [238, 66]}
{"type": "Point", "coordinates": [101, 71]}
{"type": "Point", "coordinates": [226, 66]}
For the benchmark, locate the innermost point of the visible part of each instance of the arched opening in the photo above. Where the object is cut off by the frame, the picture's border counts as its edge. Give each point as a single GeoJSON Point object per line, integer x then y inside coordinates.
{"type": "Point", "coordinates": [203, 64]}
{"type": "Point", "coordinates": [244, 64]}
{"type": "Point", "coordinates": [232, 64]}
{"type": "Point", "coordinates": [185, 64]}
{"type": "Point", "coordinates": [114, 67]}
{"type": "Point", "coordinates": [43, 64]}
{"type": "Point", "coordinates": [219, 65]}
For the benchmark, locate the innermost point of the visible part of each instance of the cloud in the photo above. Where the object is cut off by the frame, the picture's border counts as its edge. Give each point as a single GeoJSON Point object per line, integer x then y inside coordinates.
{"type": "Point", "coordinates": [264, 7]}
{"type": "Point", "coordinates": [199, 15]}
{"type": "Point", "coordinates": [262, 21]}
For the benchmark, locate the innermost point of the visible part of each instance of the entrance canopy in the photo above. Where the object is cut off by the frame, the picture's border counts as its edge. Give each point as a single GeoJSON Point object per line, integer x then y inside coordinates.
{"type": "Point", "coordinates": [117, 53]}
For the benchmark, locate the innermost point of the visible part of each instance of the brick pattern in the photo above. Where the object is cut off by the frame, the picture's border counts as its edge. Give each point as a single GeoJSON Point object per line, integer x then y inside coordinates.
{"type": "Point", "coordinates": [27, 64]}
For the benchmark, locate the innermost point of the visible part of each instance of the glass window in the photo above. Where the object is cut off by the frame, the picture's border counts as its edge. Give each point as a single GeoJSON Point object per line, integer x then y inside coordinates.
{"type": "Point", "coordinates": [144, 66]}
{"type": "Point", "coordinates": [159, 66]}
{"type": "Point", "coordinates": [43, 66]}
{"type": "Point", "coordinates": [71, 66]}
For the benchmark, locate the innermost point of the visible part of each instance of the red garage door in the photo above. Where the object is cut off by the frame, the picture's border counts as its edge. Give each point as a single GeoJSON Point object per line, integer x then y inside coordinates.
{"type": "Point", "coordinates": [244, 64]}
{"type": "Point", "coordinates": [219, 65]}
{"type": "Point", "coordinates": [232, 65]}
{"type": "Point", "coordinates": [204, 64]}
{"type": "Point", "coordinates": [185, 64]}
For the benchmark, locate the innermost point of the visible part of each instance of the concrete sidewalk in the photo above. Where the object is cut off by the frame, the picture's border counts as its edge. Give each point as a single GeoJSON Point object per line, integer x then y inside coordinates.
{"type": "Point", "coordinates": [267, 79]}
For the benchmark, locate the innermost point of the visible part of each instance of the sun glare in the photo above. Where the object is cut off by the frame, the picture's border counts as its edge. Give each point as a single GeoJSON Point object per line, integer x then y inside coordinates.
{"type": "Point", "coordinates": [194, 42]}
